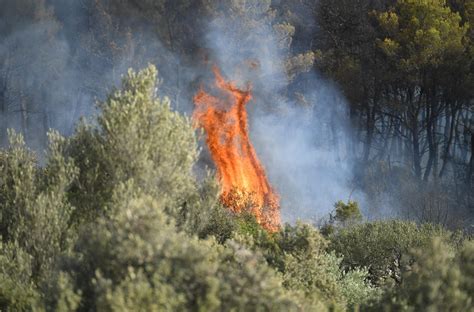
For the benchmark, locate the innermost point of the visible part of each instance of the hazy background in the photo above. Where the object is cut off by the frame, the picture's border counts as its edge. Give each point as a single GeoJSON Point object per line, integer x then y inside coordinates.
{"type": "Point", "coordinates": [316, 139]}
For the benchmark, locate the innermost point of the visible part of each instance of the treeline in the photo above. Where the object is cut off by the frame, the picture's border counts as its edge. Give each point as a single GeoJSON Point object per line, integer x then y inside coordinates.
{"type": "Point", "coordinates": [115, 220]}
{"type": "Point", "coordinates": [407, 69]}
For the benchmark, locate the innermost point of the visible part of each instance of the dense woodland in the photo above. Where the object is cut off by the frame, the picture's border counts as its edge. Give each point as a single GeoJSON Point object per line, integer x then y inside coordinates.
{"type": "Point", "coordinates": [114, 217]}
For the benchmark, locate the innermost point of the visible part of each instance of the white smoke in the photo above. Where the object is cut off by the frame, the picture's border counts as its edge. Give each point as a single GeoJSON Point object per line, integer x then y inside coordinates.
{"type": "Point", "coordinates": [303, 143]}
{"type": "Point", "coordinates": [302, 140]}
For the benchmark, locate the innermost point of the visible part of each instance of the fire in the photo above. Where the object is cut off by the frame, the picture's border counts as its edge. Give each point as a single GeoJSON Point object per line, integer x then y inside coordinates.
{"type": "Point", "coordinates": [243, 180]}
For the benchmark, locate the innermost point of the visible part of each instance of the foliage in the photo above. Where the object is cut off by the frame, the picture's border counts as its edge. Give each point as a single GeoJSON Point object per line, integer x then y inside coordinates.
{"type": "Point", "coordinates": [420, 33]}
{"type": "Point", "coordinates": [17, 290]}
{"type": "Point", "coordinates": [405, 67]}
{"type": "Point", "coordinates": [299, 253]}
{"type": "Point", "coordinates": [343, 215]}
{"type": "Point", "coordinates": [136, 259]}
{"type": "Point", "coordinates": [115, 220]}
{"type": "Point", "coordinates": [435, 281]}
{"type": "Point", "coordinates": [347, 212]}
{"type": "Point", "coordinates": [383, 246]}
{"type": "Point", "coordinates": [35, 218]}
{"type": "Point", "coordinates": [138, 137]}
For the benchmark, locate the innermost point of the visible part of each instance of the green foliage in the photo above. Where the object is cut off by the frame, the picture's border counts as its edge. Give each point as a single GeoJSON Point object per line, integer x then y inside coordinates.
{"type": "Point", "coordinates": [136, 259]}
{"type": "Point", "coordinates": [421, 33]}
{"type": "Point", "coordinates": [347, 212]}
{"type": "Point", "coordinates": [343, 215]}
{"type": "Point", "coordinates": [248, 283]}
{"type": "Point", "coordinates": [299, 254]}
{"type": "Point", "coordinates": [138, 250]}
{"type": "Point", "coordinates": [141, 251]}
{"type": "Point", "coordinates": [67, 299]}
{"type": "Point", "coordinates": [18, 182]}
{"type": "Point", "coordinates": [140, 138]}
{"type": "Point", "coordinates": [434, 282]}
{"type": "Point", "coordinates": [466, 264]}
{"type": "Point", "coordinates": [115, 220]}
{"type": "Point", "coordinates": [308, 267]}
{"type": "Point", "coordinates": [356, 289]}
{"type": "Point", "coordinates": [35, 218]}
{"type": "Point", "coordinates": [208, 217]}
{"type": "Point", "coordinates": [17, 290]}
{"type": "Point", "coordinates": [383, 246]}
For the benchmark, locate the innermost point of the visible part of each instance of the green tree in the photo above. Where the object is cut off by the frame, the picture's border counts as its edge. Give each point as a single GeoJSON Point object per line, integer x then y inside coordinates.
{"type": "Point", "coordinates": [35, 218]}
{"type": "Point", "coordinates": [423, 40]}
{"type": "Point", "coordinates": [138, 138]}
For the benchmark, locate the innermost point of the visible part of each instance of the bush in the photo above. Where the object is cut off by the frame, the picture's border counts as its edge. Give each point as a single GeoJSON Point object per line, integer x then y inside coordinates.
{"type": "Point", "coordinates": [343, 215]}
{"type": "Point", "coordinates": [308, 267]}
{"type": "Point", "coordinates": [18, 292]}
{"type": "Point", "coordinates": [137, 259]}
{"type": "Point", "coordinates": [299, 254]}
{"type": "Point", "coordinates": [137, 137]}
{"type": "Point", "coordinates": [382, 246]}
{"type": "Point", "coordinates": [137, 255]}
{"type": "Point", "coordinates": [115, 220]}
{"type": "Point", "coordinates": [34, 218]}
{"type": "Point", "coordinates": [436, 281]}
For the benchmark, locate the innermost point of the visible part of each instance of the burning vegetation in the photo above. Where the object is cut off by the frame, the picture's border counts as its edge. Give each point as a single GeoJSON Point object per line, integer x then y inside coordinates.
{"type": "Point", "coordinates": [245, 186]}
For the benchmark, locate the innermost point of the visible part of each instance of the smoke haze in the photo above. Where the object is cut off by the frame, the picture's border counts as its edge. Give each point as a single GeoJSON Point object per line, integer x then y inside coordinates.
{"type": "Point", "coordinates": [56, 66]}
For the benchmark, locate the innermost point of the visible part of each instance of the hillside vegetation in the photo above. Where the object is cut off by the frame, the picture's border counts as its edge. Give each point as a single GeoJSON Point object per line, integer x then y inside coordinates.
{"type": "Point", "coordinates": [115, 220]}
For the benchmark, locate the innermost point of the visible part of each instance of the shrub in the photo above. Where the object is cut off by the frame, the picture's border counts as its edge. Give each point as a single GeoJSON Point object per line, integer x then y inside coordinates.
{"type": "Point", "coordinates": [343, 215]}
{"type": "Point", "coordinates": [434, 282]}
{"type": "Point", "coordinates": [136, 254]}
{"type": "Point", "coordinates": [349, 212]}
{"type": "Point", "coordinates": [466, 264]}
{"type": "Point", "coordinates": [35, 218]}
{"type": "Point", "coordinates": [137, 137]}
{"type": "Point", "coordinates": [382, 246]}
{"type": "Point", "coordinates": [299, 254]}
{"type": "Point", "coordinates": [137, 259]}
{"type": "Point", "coordinates": [207, 217]}
{"type": "Point", "coordinates": [308, 267]}
{"type": "Point", "coordinates": [18, 292]}
{"type": "Point", "coordinates": [116, 221]}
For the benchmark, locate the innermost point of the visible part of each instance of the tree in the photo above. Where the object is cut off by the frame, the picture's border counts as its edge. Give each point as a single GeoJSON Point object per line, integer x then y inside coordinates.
{"type": "Point", "coordinates": [138, 138]}
{"type": "Point", "coordinates": [34, 221]}
{"type": "Point", "coordinates": [421, 38]}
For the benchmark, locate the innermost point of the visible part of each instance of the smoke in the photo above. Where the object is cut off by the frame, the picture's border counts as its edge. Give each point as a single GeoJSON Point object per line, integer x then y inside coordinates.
{"type": "Point", "coordinates": [305, 152]}
{"type": "Point", "coordinates": [302, 138]}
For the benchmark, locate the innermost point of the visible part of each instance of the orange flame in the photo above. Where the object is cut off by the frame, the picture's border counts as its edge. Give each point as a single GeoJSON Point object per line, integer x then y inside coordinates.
{"type": "Point", "coordinates": [242, 176]}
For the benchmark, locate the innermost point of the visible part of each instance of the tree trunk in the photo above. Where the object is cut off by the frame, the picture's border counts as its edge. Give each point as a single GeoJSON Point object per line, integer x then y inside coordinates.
{"type": "Point", "coordinates": [471, 162]}
{"type": "Point", "coordinates": [446, 157]}
{"type": "Point", "coordinates": [416, 150]}
{"type": "Point", "coordinates": [24, 116]}
{"type": "Point", "coordinates": [429, 136]}
{"type": "Point", "coordinates": [370, 134]}
{"type": "Point", "coordinates": [3, 112]}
